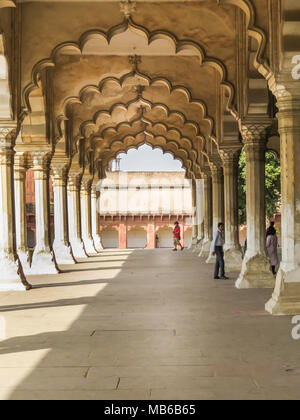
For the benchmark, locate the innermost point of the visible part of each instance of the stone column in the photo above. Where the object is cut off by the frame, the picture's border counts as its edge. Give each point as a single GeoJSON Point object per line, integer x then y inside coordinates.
{"type": "Point", "coordinates": [122, 235]}
{"type": "Point", "coordinates": [194, 214]}
{"type": "Point", "coordinates": [74, 215]}
{"type": "Point", "coordinates": [232, 249]}
{"type": "Point", "coordinates": [95, 208]}
{"type": "Point", "coordinates": [43, 260]}
{"type": "Point", "coordinates": [200, 211]}
{"type": "Point", "coordinates": [182, 225]}
{"type": "Point", "coordinates": [207, 190]}
{"type": "Point", "coordinates": [61, 244]}
{"type": "Point", "coordinates": [217, 200]}
{"type": "Point", "coordinates": [86, 216]}
{"type": "Point", "coordinates": [20, 211]}
{"type": "Point", "coordinates": [11, 272]}
{"type": "Point", "coordinates": [151, 233]}
{"type": "Point", "coordinates": [286, 296]}
{"type": "Point", "coordinates": [256, 266]}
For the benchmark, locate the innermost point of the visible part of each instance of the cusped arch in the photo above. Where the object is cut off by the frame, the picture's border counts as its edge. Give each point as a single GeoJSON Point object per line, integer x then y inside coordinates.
{"type": "Point", "coordinates": [179, 46]}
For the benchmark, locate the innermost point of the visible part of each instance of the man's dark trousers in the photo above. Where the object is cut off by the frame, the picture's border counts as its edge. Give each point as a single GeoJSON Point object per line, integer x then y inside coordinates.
{"type": "Point", "coordinates": [219, 261]}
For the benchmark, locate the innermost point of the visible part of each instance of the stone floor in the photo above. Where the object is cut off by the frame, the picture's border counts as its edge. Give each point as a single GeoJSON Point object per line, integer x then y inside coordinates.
{"type": "Point", "coordinates": [146, 324]}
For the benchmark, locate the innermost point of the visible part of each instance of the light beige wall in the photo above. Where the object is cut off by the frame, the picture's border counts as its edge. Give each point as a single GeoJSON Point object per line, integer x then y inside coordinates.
{"type": "Point", "coordinates": [145, 192]}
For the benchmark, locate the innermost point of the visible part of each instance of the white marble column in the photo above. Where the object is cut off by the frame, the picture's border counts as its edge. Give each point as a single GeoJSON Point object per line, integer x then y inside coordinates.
{"type": "Point", "coordinates": [11, 272]}
{"type": "Point", "coordinates": [255, 271]}
{"type": "Point", "coordinates": [74, 216]}
{"type": "Point", "coordinates": [286, 296]}
{"type": "Point", "coordinates": [95, 208]}
{"type": "Point", "coordinates": [43, 260]}
{"type": "Point", "coordinates": [207, 190]}
{"type": "Point", "coordinates": [200, 209]}
{"type": "Point", "coordinates": [61, 244]}
{"type": "Point", "coordinates": [20, 211]}
{"type": "Point", "coordinates": [232, 250]}
{"type": "Point", "coordinates": [86, 222]}
{"type": "Point", "coordinates": [217, 201]}
{"type": "Point", "coordinates": [194, 215]}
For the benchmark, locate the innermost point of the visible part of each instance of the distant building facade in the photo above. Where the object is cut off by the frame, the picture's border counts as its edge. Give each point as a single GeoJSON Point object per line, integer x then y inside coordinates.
{"type": "Point", "coordinates": [139, 209]}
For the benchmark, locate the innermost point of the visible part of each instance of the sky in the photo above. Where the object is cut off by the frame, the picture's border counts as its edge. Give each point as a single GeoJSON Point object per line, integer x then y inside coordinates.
{"type": "Point", "coordinates": [146, 159]}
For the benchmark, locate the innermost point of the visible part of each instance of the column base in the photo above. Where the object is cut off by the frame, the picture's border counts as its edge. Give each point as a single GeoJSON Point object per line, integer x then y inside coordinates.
{"type": "Point", "coordinates": [198, 246]}
{"type": "Point", "coordinates": [211, 259]}
{"type": "Point", "coordinates": [255, 273]}
{"type": "Point", "coordinates": [43, 262]}
{"type": "Point", "coordinates": [63, 253]}
{"type": "Point", "coordinates": [12, 277]}
{"type": "Point", "coordinates": [193, 243]}
{"type": "Point", "coordinates": [233, 259]}
{"type": "Point", "coordinates": [205, 250]}
{"type": "Point", "coordinates": [89, 246]}
{"type": "Point", "coordinates": [24, 258]}
{"type": "Point", "coordinates": [97, 243]}
{"type": "Point", "coordinates": [285, 299]}
{"type": "Point", "coordinates": [78, 249]}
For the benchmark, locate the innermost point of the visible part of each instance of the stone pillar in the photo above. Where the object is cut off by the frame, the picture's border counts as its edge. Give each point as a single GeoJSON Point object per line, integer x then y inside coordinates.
{"type": "Point", "coordinates": [232, 250]}
{"type": "Point", "coordinates": [122, 235]}
{"type": "Point", "coordinates": [182, 232]}
{"type": "Point", "coordinates": [86, 214]}
{"type": "Point", "coordinates": [286, 296]}
{"type": "Point", "coordinates": [200, 211]}
{"type": "Point", "coordinates": [95, 208]}
{"type": "Point", "coordinates": [74, 216]}
{"type": "Point", "coordinates": [151, 233]}
{"type": "Point", "coordinates": [194, 214]}
{"type": "Point", "coordinates": [256, 267]}
{"type": "Point", "coordinates": [11, 272]}
{"type": "Point", "coordinates": [61, 244]}
{"type": "Point", "coordinates": [20, 211]}
{"type": "Point", "coordinates": [217, 200]}
{"type": "Point", "coordinates": [43, 260]}
{"type": "Point", "coordinates": [207, 190]}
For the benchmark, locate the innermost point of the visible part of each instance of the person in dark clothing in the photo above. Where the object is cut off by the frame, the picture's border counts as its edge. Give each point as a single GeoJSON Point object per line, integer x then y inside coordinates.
{"type": "Point", "coordinates": [217, 249]}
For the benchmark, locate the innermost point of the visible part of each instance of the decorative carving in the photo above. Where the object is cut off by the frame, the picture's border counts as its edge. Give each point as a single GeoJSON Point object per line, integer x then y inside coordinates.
{"type": "Point", "coordinates": [135, 60]}
{"type": "Point", "coordinates": [127, 7]}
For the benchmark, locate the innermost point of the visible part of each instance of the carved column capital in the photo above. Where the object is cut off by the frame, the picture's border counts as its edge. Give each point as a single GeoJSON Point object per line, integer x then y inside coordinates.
{"type": "Point", "coordinates": [254, 133]}
{"type": "Point", "coordinates": [86, 184]}
{"type": "Point", "coordinates": [59, 173]}
{"type": "Point", "coordinates": [230, 158]}
{"type": "Point", "coordinates": [8, 134]}
{"type": "Point", "coordinates": [41, 164]}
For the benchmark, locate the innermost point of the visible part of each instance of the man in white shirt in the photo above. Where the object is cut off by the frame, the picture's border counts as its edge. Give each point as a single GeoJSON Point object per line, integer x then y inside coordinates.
{"type": "Point", "coordinates": [217, 249]}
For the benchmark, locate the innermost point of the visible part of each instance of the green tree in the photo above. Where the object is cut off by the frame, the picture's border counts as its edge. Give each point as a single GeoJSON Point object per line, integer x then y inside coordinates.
{"type": "Point", "coordinates": [273, 186]}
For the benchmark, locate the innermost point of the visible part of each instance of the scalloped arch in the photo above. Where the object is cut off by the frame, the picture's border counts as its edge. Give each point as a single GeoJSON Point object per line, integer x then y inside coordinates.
{"type": "Point", "coordinates": [151, 83]}
{"type": "Point", "coordinates": [179, 46]}
{"type": "Point", "coordinates": [254, 32]}
{"type": "Point", "coordinates": [113, 154]}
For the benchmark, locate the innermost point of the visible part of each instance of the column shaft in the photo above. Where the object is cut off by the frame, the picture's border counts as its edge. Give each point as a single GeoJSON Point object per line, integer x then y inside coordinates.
{"type": "Point", "coordinates": [86, 217]}
{"type": "Point", "coordinates": [286, 296]}
{"type": "Point", "coordinates": [151, 233]}
{"type": "Point", "coordinates": [122, 235]}
{"type": "Point", "coordinates": [232, 249]}
{"type": "Point", "coordinates": [207, 189]}
{"type": "Point", "coordinates": [95, 208]}
{"type": "Point", "coordinates": [61, 244]}
{"type": "Point", "coordinates": [74, 219]}
{"type": "Point", "coordinates": [11, 272]}
{"type": "Point", "coordinates": [255, 271]}
{"type": "Point", "coordinates": [43, 260]}
{"type": "Point", "coordinates": [20, 212]}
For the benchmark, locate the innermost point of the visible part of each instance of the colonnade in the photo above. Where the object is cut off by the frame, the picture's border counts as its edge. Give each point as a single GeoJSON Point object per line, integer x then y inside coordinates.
{"type": "Point", "coordinates": [76, 223]}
